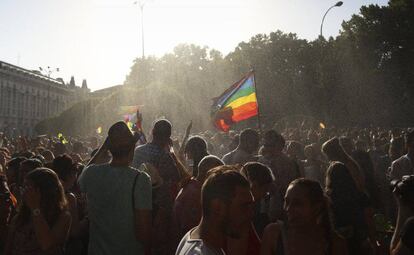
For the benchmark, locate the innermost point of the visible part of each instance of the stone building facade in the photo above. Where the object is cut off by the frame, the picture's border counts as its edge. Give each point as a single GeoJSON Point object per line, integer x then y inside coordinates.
{"type": "Point", "coordinates": [26, 97]}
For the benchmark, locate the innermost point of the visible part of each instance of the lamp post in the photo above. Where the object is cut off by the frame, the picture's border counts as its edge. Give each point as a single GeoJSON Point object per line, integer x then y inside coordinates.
{"type": "Point", "coordinates": [325, 95]}
{"type": "Point", "coordinates": [141, 7]}
{"type": "Point", "coordinates": [48, 71]}
{"type": "Point", "coordinates": [338, 4]}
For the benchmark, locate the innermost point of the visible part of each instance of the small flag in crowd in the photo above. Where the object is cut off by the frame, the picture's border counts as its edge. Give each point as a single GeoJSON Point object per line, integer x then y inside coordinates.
{"type": "Point", "coordinates": [129, 109]}
{"type": "Point", "coordinates": [129, 113]}
{"type": "Point", "coordinates": [62, 138]}
{"type": "Point", "coordinates": [237, 103]}
{"type": "Point", "coordinates": [130, 125]}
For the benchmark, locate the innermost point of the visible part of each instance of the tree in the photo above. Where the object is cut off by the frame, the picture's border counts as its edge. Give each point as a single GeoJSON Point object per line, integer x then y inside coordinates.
{"type": "Point", "coordinates": [362, 77]}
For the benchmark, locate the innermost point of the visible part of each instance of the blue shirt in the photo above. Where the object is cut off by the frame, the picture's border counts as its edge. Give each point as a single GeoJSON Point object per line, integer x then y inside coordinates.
{"type": "Point", "coordinates": [109, 193]}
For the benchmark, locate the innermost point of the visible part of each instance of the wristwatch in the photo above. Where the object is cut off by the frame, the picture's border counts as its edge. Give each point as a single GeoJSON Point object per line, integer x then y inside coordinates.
{"type": "Point", "coordinates": [36, 212]}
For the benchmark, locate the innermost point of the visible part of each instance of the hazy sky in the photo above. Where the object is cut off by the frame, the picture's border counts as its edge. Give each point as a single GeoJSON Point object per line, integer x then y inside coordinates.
{"type": "Point", "coordinates": [98, 39]}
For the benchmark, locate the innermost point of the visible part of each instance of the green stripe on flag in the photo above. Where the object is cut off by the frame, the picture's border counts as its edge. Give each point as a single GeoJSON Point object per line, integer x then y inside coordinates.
{"type": "Point", "coordinates": [239, 94]}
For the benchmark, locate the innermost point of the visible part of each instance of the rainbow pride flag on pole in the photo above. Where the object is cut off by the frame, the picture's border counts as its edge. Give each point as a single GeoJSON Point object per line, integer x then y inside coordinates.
{"type": "Point", "coordinates": [237, 103]}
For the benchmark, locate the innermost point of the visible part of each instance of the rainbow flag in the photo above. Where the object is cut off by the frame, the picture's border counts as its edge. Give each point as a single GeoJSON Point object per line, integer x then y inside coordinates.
{"type": "Point", "coordinates": [237, 103]}
{"type": "Point", "coordinates": [129, 112]}
{"type": "Point", "coordinates": [129, 109]}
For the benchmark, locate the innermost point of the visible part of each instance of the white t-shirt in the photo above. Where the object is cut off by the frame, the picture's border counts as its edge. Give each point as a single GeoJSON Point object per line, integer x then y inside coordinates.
{"type": "Point", "coordinates": [238, 156]}
{"type": "Point", "coordinates": [190, 246]}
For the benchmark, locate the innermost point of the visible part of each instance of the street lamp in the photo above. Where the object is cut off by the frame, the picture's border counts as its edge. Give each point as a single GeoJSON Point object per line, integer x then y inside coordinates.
{"type": "Point", "coordinates": [338, 4]}
{"type": "Point", "coordinates": [48, 71]}
{"type": "Point", "coordinates": [141, 7]}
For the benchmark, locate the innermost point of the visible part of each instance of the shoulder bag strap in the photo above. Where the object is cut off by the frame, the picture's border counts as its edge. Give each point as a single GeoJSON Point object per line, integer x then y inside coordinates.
{"type": "Point", "coordinates": [133, 192]}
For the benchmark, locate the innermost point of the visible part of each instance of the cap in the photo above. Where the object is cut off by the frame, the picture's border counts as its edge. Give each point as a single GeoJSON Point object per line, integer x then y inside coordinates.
{"type": "Point", "coordinates": [119, 135]}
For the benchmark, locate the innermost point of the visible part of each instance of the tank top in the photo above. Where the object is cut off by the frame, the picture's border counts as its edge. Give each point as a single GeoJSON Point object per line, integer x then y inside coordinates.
{"type": "Point", "coordinates": [281, 246]}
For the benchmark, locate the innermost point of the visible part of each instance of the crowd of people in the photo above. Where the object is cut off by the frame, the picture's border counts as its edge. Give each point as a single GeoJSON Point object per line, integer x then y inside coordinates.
{"type": "Point", "coordinates": [293, 191]}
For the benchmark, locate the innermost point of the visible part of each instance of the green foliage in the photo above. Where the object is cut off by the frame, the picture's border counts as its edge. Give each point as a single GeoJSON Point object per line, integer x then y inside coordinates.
{"type": "Point", "coordinates": [365, 76]}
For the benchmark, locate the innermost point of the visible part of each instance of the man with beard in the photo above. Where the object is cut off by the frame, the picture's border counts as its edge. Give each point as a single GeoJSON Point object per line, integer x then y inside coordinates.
{"type": "Point", "coordinates": [227, 204]}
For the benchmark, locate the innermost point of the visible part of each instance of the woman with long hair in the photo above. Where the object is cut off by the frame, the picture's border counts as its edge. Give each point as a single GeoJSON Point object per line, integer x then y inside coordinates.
{"type": "Point", "coordinates": [308, 229]}
{"type": "Point", "coordinates": [42, 223]}
{"type": "Point", "coordinates": [66, 169]}
{"type": "Point", "coordinates": [336, 153]}
{"type": "Point", "coordinates": [345, 187]}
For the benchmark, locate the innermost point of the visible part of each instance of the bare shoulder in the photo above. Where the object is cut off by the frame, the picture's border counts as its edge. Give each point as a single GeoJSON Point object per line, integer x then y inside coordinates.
{"type": "Point", "coordinates": [270, 238]}
{"type": "Point", "coordinates": [272, 231]}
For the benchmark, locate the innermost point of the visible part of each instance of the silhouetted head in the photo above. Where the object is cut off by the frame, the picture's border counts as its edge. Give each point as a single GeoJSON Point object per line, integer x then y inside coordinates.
{"type": "Point", "coordinates": [306, 204]}
{"type": "Point", "coordinates": [12, 170]}
{"type": "Point", "coordinates": [346, 144]}
{"type": "Point", "coordinates": [206, 164]}
{"type": "Point", "coordinates": [396, 149]}
{"type": "Point", "coordinates": [161, 132]}
{"type": "Point", "coordinates": [404, 190]}
{"type": "Point", "coordinates": [333, 150]}
{"type": "Point", "coordinates": [409, 140]}
{"type": "Point", "coordinates": [295, 150]}
{"type": "Point", "coordinates": [260, 178]}
{"type": "Point", "coordinates": [195, 147]}
{"type": "Point", "coordinates": [121, 141]}
{"type": "Point", "coordinates": [27, 166]}
{"type": "Point", "coordinates": [48, 155]}
{"type": "Point", "coordinates": [249, 140]}
{"type": "Point", "coordinates": [195, 150]}
{"type": "Point", "coordinates": [310, 152]}
{"type": "Point", "coordinates": [52, 195]}
{"type": "Point", "coordinates": [65, 168]}
{"type": "Point", "coordinates": [273, 140]}
{"type": "Point", "coordinates": [227, 201]}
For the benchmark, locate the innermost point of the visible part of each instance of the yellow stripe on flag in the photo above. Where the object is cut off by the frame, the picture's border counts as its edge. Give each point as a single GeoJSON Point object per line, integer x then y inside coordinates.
{"type": "Point", "coordinates": [243, 100]}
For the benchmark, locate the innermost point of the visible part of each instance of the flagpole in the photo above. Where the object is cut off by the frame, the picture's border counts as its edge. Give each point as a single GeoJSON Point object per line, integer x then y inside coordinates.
{"type": "Point", "coordinates": [259, 119]}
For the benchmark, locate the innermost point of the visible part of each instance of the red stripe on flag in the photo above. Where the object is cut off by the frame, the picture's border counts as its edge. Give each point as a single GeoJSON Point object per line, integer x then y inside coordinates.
{"type": "Point", "coordinates": [245, 111]}
{"type": "Point", "coordinates": [221, 124]}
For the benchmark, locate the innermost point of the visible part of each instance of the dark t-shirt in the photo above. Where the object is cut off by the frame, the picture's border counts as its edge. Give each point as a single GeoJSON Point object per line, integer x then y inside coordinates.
{"type": "Point", "coordinates": [109, 193]}
{"type": "Point", "coordinates": [407, 234]}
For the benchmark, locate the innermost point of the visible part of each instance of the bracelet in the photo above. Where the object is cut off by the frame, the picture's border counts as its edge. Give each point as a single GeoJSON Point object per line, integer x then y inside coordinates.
{"type": "Point", "coordinates": [36, 212]}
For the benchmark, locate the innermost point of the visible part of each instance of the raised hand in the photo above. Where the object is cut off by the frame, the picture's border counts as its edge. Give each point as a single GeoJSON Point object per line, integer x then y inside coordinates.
{"type": "Point", "coordinates": [186, 135]}
{"type": "Point", "coordinates": [188, 130]}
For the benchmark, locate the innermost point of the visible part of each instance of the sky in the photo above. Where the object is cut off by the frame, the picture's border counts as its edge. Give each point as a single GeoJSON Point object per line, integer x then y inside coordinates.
{"type": "Point", "coordinates": [98, 40]}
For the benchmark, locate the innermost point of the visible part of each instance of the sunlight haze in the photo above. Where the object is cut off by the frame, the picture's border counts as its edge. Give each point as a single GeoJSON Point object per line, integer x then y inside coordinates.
{"type": "Point", "coordinates": [97, 40]}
